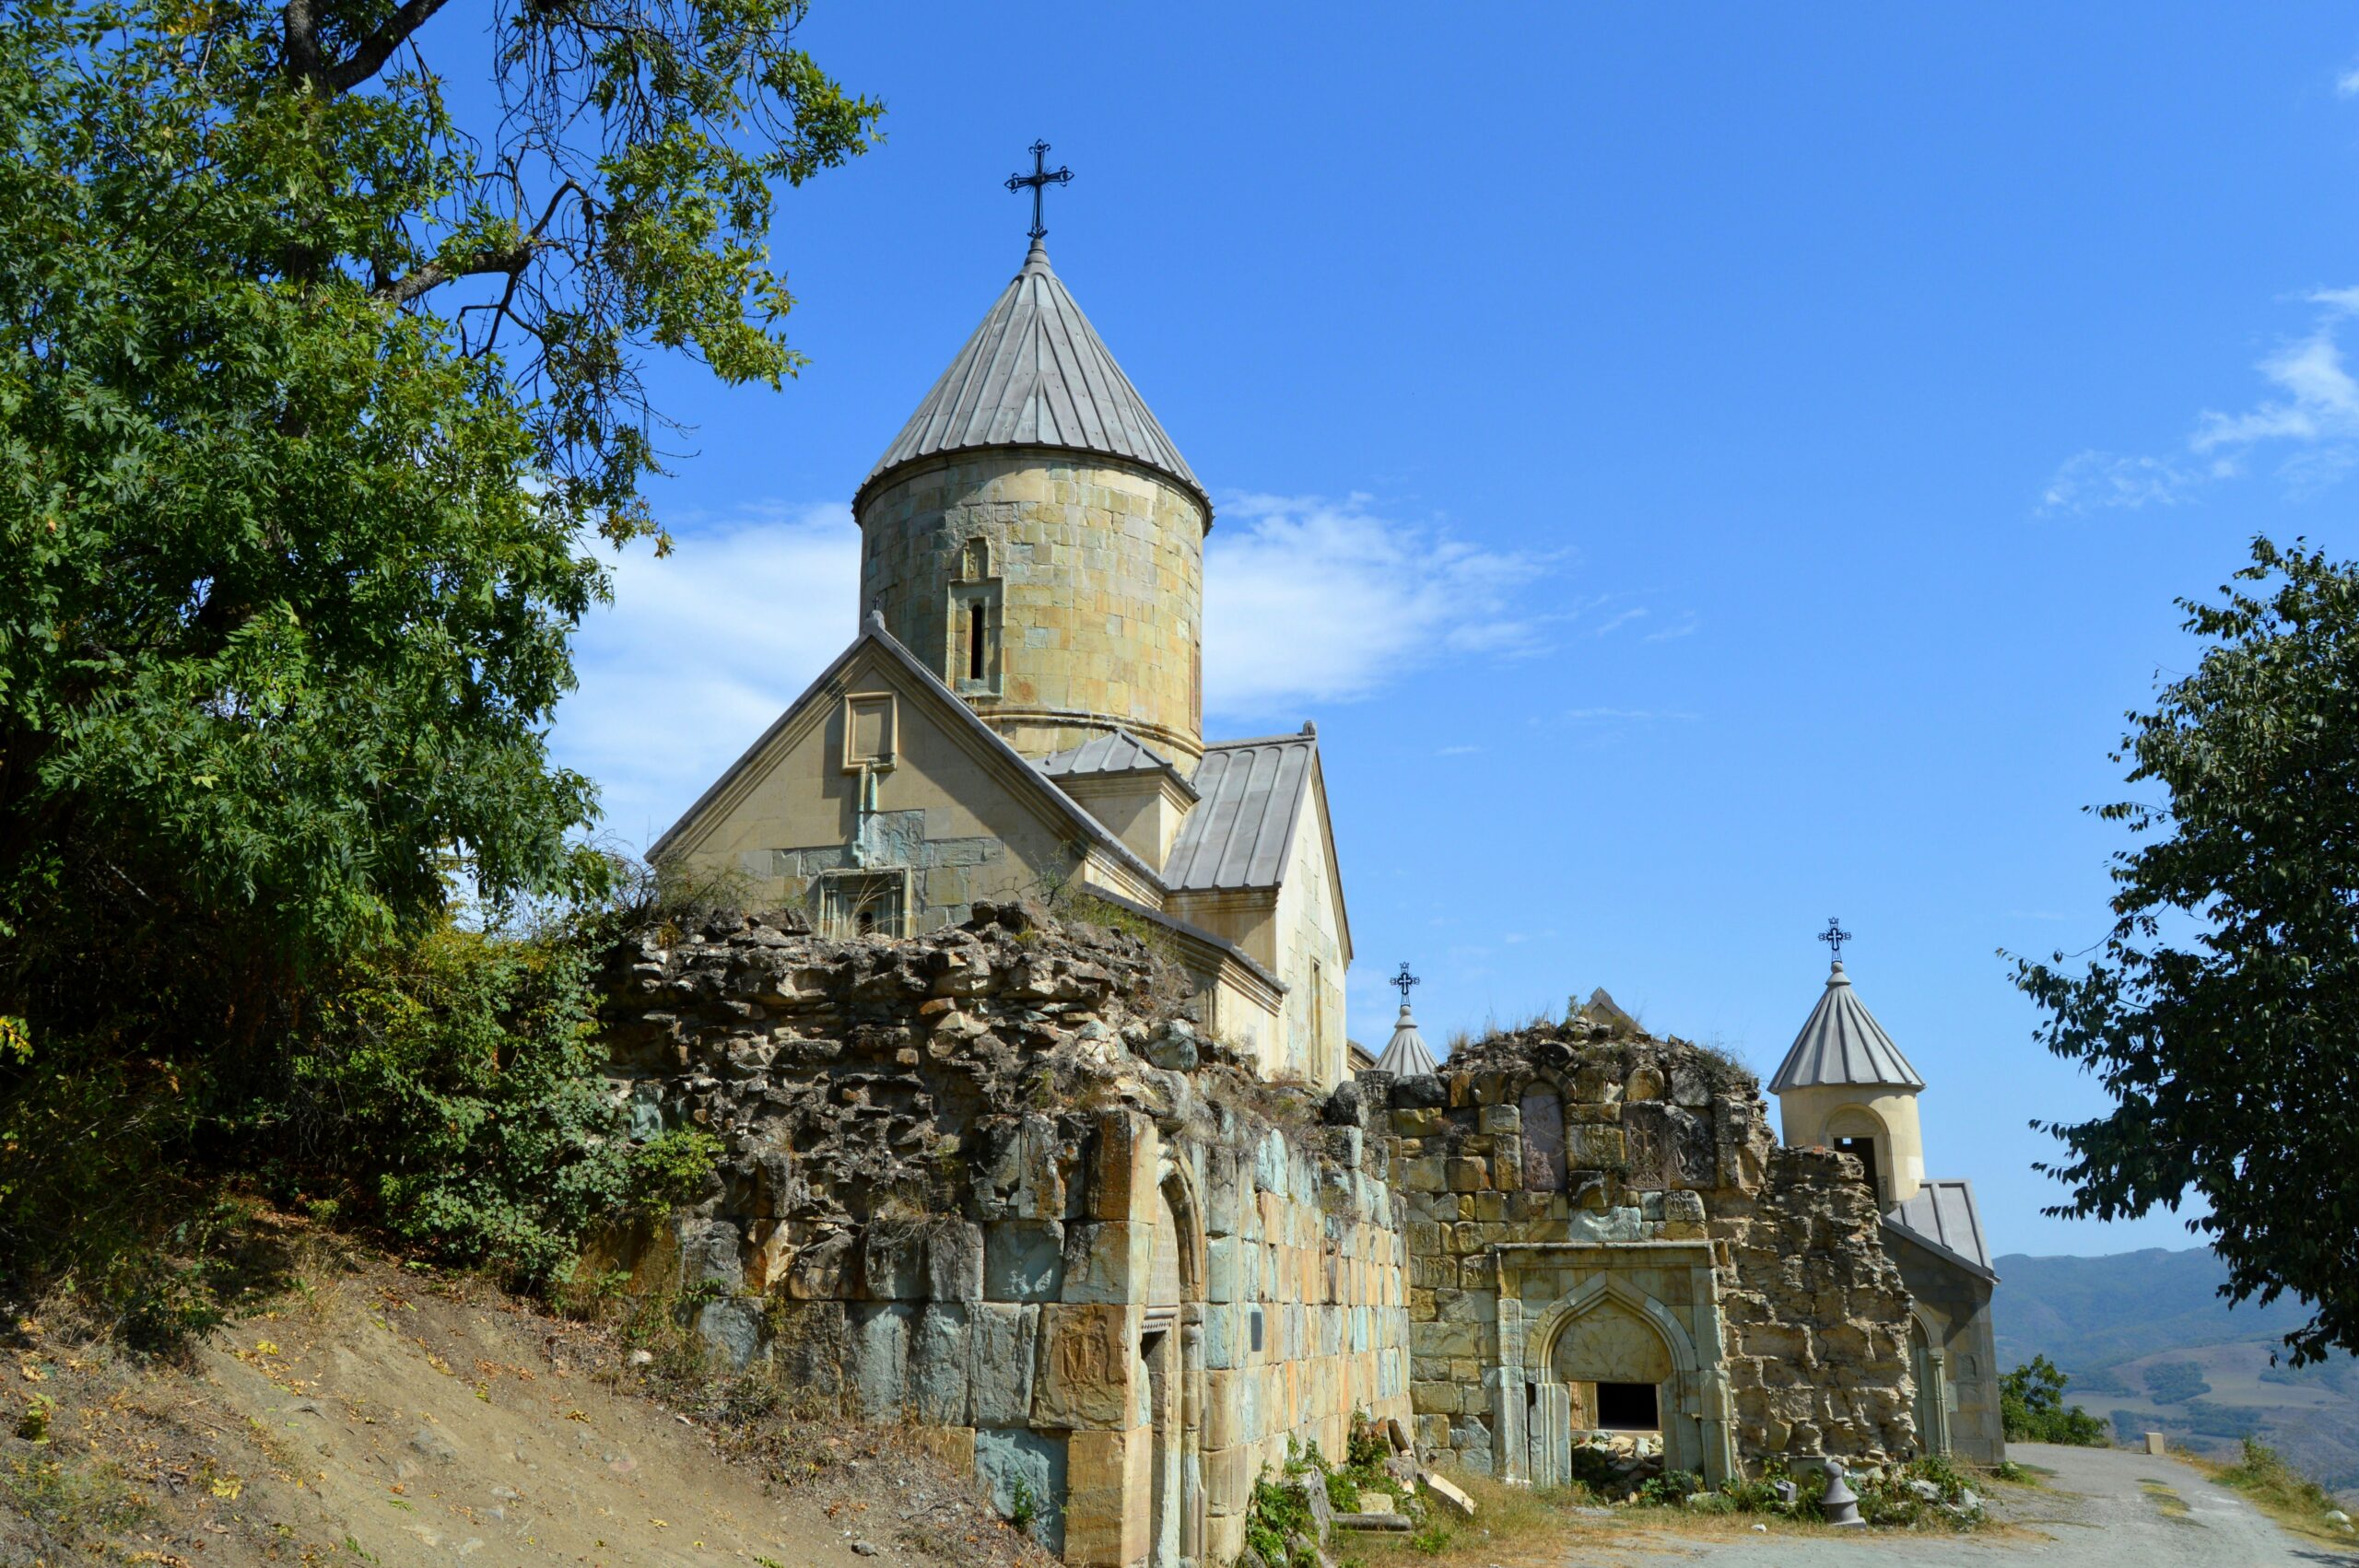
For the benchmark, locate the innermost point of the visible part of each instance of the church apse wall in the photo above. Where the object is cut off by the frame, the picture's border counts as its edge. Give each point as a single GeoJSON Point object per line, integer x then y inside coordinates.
{"type": "Point", "coordinates": [993, 1183]}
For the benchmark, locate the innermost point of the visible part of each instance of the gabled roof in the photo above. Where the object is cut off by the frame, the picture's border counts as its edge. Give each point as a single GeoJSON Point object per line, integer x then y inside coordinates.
{"type": "Point", "coordinates": [1020, 772]}
{"type": "Point", "coordinates": [1842, 1043]}
{"type": "Point", "coordinates": [1941, 1218]}
{"type": "Point", "coordinates": [1239, 835]}
{"type": "Point", "coordinates": [1036, 374]}
{"type": "Point", "coordinates": [1406, 1055]}
{"type": "Point", "coordinates": [1113, 754]}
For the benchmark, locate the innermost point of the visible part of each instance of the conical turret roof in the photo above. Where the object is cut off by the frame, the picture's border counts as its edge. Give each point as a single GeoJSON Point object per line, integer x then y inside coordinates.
{"type": "Point", "coordinates": [1036, 374]}
{"type": "Point", "coordinates": [1842, 1043]}
{"type": "Point", "coordinates": [1406, 1055]}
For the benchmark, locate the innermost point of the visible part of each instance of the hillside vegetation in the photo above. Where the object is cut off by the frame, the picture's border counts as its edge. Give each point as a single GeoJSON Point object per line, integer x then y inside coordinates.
{"type": "Point", "coordinates": [2149, 1345]}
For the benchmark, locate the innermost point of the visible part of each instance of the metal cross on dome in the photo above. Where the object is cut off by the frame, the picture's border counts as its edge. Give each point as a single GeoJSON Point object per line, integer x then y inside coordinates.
{"type": "Point", "coordinates": [1040, 179]}
{"type": "Point", "coordinates": [1404, 980]}
{"type": "Point", "coordinates": [1834, 936]}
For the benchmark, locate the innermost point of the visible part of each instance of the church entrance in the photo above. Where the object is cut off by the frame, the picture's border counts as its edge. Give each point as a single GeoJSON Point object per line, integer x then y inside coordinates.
{"type": "Point", "coordinates": [1608, 1372]}
{"type": "Point", "coordinates": [1929, 1368]}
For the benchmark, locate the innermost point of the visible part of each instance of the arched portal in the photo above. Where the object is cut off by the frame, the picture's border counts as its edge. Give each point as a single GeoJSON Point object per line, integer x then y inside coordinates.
{"type": "Point", "coordinates": [1928, 1364]}
{"type": "Point", "coordinates": [1171, 1349]}
{"type": "Point", "coordinates": [1609, 1356]}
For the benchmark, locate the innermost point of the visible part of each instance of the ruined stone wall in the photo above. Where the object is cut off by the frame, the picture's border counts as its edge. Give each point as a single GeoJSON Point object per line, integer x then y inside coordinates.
{"type": "Point", "coordinates": [993, 1182]}
{"type": "Point", "coordinates": [1588, 1205]}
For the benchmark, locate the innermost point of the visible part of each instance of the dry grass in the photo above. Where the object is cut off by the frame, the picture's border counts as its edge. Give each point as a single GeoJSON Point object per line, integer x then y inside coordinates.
{"type": "Point", "coordinates": [1522, 1527]}
{"type": "Point", "coordinates": [2278, 1489]}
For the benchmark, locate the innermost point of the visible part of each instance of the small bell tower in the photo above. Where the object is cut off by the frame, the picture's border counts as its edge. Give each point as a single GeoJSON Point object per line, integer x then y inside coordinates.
{"type": "Point", "coordinates": [1846, 1085]}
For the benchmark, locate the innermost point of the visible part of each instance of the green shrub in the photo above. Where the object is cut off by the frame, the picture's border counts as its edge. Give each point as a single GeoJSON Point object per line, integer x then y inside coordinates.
{"type": "Point", "coordinates": [2032, 1408]}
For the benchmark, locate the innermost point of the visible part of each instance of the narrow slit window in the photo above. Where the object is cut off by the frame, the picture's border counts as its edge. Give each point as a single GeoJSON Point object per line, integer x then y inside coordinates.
{"type": "Point", "coordinates": [975, 640]}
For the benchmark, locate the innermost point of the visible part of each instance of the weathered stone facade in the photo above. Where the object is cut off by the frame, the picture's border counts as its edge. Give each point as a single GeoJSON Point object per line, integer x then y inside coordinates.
{"type": "Point", "coordinates": [993, 1183]}
{"type": "Point", "coordinates": [1588, 1207]}
{"type": "Point", "coordinates": [1088, 575]}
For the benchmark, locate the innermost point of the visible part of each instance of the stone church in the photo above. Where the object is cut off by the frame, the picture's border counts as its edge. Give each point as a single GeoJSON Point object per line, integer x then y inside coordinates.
{"type": "Point", "coordinates": [1042, 1135]}
{"type": "Point", "coordinates": [1022, 710]}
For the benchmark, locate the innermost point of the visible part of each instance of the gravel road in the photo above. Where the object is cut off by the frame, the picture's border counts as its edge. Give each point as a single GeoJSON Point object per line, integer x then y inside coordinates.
{"type": "Point", "coordinates": [2104, 1508]}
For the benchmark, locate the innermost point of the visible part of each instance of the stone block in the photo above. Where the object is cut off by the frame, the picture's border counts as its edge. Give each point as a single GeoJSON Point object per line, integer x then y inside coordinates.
{"type": "Point", "coordinates": [892, 1260]}
{"type": "Point", "coordinates": [1022, 1177]}
{"type": "Point", "coordinates": [732, 1331]}
{"type": "Point", "coordinates": [1024, 1261]}
{"type": "Point", "coordinates": [941, 1360]}
{"type": "Point", "coordinates": [1002, 1338]}
{"type": "Point", "coordinates": [823, 1269]}
{"type": "Point", "coordinates": [1595, 1147]}
{"type": "Point", "coordinates": [709, 1255]}
{"type": "Point", "coordinates": [1085, 1370]}
{"type": "Point", "coordinates": [807, 1345]}
{"type": "Point", "coordinates": [1099, 1258]}
{"type": "Point", "coordinates": [1469, 1175]}
{"type": "Point", "coordinates": [1122, 1168]}
{"type": "Point", "coordinates": [1224, 1408]}
{"type": "Point", "coordinates": [1228, 1481]}
{"type": "Point", "coordinates": [1500, 1119]}
{"type": "Point", "coordinates": [1100, 1524]}
{"type": "Point", "coordinates": [1229, 1271]}
{"type": "Point", "coordinates": [954, 1261]}
{"type": "Point", "coordinates": [878, 1333]}
{"type": "Point", "coordinates": [1012, 1462]}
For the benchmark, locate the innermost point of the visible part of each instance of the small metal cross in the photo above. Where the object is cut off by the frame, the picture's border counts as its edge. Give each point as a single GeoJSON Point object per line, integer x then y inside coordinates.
{"type": "Point", "coordinates": [1404, 980]}
{"type": "Point", "coordinates": [1834, 936]}
{"type": "Point", "coordinates": [1040, 179]}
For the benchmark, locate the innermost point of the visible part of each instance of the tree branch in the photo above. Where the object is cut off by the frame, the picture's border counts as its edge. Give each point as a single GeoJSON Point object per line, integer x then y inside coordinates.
{"type": "Point", "coordinates": [510, 260]}
{"type": "Point", "coordinates": [379, 46]}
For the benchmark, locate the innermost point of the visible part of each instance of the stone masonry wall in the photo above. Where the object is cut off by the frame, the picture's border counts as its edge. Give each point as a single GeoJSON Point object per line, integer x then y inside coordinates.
{"type": "Point", "coordinates": [993, 1182]}
{"type": "Point", "coordinates": [1098, 570]}
{"type": "Point", "coordinates": [1586, 1204]}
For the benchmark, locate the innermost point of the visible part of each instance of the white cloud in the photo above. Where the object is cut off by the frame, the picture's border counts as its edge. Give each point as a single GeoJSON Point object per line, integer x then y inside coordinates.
{"type": "Point", "coordinates": [1614, 623]}
{"type": "Point", "coordinates": [2311, 418]}
{"type": "Point", "coordinates": [700, 650]}
{"type": "Point", "coordinates": [1308, 600]}
{"type": "Point", "coordinates": [2347, 84]}
{"type": "Point", "coordinates": [1684, 627]}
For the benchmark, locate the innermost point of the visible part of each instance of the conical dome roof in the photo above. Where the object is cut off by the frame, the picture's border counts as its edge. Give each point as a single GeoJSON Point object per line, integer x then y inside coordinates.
{"type": "Point", "coordinates": [1406, 1055]}
{"type": "Point", "coordinates": [1036, 374]}
{"type": "Point", "coordinates": [1842, 1043]}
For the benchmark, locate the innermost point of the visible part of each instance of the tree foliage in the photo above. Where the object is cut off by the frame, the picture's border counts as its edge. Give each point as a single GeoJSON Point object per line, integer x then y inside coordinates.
{"type": "Point", "coordinates": [2221, 1012]}
{"type": "Point", "coordinates": [313, 404]}
{"type": "Point", "coordinates": [2032, 1408]}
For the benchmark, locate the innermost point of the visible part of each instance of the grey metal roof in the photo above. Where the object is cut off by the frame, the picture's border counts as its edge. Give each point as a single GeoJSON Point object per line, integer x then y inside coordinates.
{"type": "Point", "coordinates": [1119, 752]}
{"type": "Point", "coordinates": [1406, 1055]}
{"type": "Point", "coordinates": [1036, 374]}
{"type": "Point", "coordinates": [1842, 1043]}
{"type": "Point", "coordinates": [1941, 1215]}
{"type": "Point", "coordinates": [1242, 829]}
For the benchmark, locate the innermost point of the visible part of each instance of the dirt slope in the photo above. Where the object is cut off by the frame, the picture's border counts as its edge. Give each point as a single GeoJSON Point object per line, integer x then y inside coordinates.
{"type": "Point", "coordinates": [388, 1424]}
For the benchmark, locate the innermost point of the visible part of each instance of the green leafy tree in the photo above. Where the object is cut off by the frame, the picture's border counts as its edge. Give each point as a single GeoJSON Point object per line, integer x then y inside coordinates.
{"type": "Point", "coordinates": [313, 404]}
{"type": "Point", "coordinates": [2032, 1408]}
{"type": "Point", "coordinates": [2221, 1012]}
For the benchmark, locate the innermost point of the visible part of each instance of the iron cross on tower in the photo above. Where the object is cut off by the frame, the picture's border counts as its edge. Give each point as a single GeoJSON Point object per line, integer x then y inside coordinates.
{"type": "Point", "coordinates": [1404, 980]}
{"type": "Point", "coordinates": [1834, 936]}
{"type": "Point", "coordinates": [1040, 179]}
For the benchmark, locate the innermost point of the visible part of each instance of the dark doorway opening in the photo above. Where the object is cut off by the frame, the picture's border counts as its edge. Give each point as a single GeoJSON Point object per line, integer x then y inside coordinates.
{"type": "Point", "coordinates": [1627, 1407]}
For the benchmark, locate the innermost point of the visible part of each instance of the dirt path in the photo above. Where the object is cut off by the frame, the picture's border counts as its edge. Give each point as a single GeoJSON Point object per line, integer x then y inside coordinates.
{"type": "Point", "coordinates": [2103, 1508]}
{"type": "Point", "coordinates": [391, 1425]}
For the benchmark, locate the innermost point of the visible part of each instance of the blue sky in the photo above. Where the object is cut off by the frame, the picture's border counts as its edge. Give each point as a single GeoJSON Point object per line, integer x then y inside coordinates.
{"type": "Point", "coordinates": [1704, 469]}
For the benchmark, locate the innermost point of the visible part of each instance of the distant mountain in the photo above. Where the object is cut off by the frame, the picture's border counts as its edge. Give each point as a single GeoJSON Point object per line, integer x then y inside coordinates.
{"type": "Point", "coordinates": [2087, 1313]}
{"type": "Point", "coordinates": [2150, 1345]}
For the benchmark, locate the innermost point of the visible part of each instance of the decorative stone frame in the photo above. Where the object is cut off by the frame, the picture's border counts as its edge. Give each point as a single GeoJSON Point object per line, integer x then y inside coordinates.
{"type": "Point", "coordinates": [975, 588]}
{"type": "Point", "coordinates": [828, 889]}
{"type": "Point", "coordinates": [1698, 1426]}
{"type": "Point", "coordinates": [1936, 1396]}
